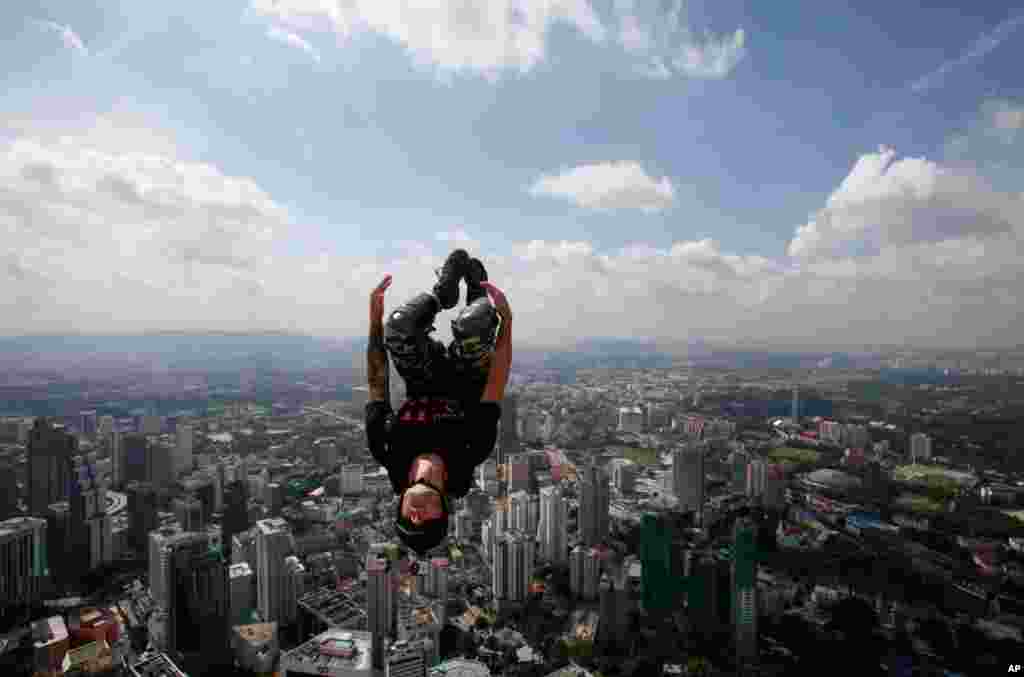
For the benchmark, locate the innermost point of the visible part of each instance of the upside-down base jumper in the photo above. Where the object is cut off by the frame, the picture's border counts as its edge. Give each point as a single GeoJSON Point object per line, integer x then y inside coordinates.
{"type": "Point", "coordinates": [447, 425]}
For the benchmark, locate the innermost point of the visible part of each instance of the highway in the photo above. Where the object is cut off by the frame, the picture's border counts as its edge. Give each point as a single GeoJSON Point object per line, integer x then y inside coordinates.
{"type": "Point", "coordinates": [338, 417]}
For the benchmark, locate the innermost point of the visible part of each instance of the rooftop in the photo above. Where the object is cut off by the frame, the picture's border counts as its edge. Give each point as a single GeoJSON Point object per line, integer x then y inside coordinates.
{"type": "Point", "coordinates": [330, 651]}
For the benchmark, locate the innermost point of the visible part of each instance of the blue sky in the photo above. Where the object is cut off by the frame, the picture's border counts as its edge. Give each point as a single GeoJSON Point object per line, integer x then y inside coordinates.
{"type": "Point", "coordinates": [661, 177]}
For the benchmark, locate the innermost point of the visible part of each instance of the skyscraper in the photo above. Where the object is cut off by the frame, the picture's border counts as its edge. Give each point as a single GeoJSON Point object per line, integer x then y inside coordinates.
{"type": "Point", "coordinates": [509, 425]}
{"type": "Point", "coordinates": [49, 473]}
{"type": "Point", "coordinates": [738, 470]}
{"type": "Point", "coordinates": [744, 589]}
{"type": "Point", "coordinates": [920, 447]}
{"type": "Point", "coordinates": [380, 605]}
{"type": "Point", "coordinates": [594, 504]}
{"type": "Point", "coordinates": [142, 512]}
{"type": "Point", "coordinates": [189, 511]}
{"type": "Point", "coordinates": [8, 490]}
{"type": "Point", "coordinates": [134, 450]}
{"type": "Point", "coordinates": [796, 405]}
{"type": "Point", "coordinates": [274, 542]}
{"type": "Point", "coordinates": [757, 477]}
{"type": "Point", "coordinates": [657, 585]}
{"type": "Point", "coordinates": [576, 558]}
{"type": "Point", "coordinates": [512, 566]}
{"type": "Point", "coordinates": [182, 450]}
{"type": "Point", "coordinates": [200, 611]}
{"type": "Point", "coordinates": [553, 535]}
{"type": "Point", "coordinates": [688, 476]}
{"type": "Point", "coordinates": [23, 562]}
{"type": "Point", "coordinates": [236, 514]}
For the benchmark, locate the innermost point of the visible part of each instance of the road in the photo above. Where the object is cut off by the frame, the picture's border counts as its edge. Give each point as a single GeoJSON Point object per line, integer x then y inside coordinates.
{"type": "Point", "coordinates": [331, 414]}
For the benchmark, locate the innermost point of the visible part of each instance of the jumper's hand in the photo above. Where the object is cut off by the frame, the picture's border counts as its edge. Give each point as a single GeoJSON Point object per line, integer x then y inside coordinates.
{"type": "Point", "coordinates": [499, 300]}
{"type": "Point", "coordinates": [377, 301]}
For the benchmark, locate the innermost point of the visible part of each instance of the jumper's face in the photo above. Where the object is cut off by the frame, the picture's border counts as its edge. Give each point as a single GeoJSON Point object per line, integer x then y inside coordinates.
{"type": "Point", "coordinates": [421, 503]}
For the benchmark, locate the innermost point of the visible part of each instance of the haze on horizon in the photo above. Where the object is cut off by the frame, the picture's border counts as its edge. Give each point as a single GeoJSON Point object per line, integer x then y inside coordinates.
{"type": "Point", "coordinates": [726, 172]}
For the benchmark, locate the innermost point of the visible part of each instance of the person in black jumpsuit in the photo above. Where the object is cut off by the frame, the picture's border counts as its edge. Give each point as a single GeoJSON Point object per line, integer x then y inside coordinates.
{"type": "Point", "coordinates": [448, 424]}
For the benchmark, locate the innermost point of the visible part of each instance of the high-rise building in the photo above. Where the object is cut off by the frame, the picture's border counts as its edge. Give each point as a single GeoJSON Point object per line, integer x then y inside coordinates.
{"type": "Point", "coordinates": [105, 426]}
{"type": "Point", "coordinates": [182, 450]}
{"type": "Point", "coordinates": [757, 477]}
{"type": "Point", "coordinates": [744, 589]}
{"type": "Point", "coordinates": [49, 453]}
{"type": "Point", "coordinates": [512, 566]}
{"type": "Point", "coordinates": [159, 462]}
{"type": "Point", "coordinates": [23, 561]}
{"type": "Point", "coordinates": [134, 454]}
{"type": "Point", "coordinates": [631, 420]}
{"type": "Point", "coordinates": [151, 424]}
{"type": "Point", "coordinates": [8, 490]}
{"type": "Point", "coordinates": [738, 470]}
{"type": "Point", "coordinates": [407, 659]}
{"type": "Point", "coordinates": [87, 423]}
{"type": "Point", "coordinates": [509, 426]}
{"type": "Point", "coordinates": [274, 543]}
{"type": "Point", "coordinates": [160, 562]}
{"type": "Point", "coordinates": [200, 607]}
{"type": "Point", "coordinates": [624, 473]}
{"type": "Point", "coordinates": [92, 543]}
{"type": "Point", "coordinates": [576, 570]}
{"type": "Point", "coordinates": [352, 479]}
{"type": "Point", "coordinates": [111, 442]}
{"type": "Point", "coordinates": [920, 447]}
{"type": "Point", "coordinates": [523, 511]}
{"type": "Point", "coordinates": [857, 436]}
{"type": "Point", "coordinates": [189, 512]}
{"type": "Point", "coordinates": [831, 431]}
{"type": "Point", "coordinates": [62, 535]}
{"type": "Point", "coordinates": [658, 586]}
{"type": "Point", "coordinates": [795, 413]}
{"type": "Point", "coordinates": [437, 582]}
{"type": "Point", "coordinates": [142, 512]}
{"type": "Point", "coordinates": [553, 532]}
{"type": "Point", "coordinates": [380, 605]}
{"type": "Point", "coordinates": [688, 476]}
{"type": "Point", "coordinates": [517, 472]}
{"type": "Point", "coordinates": [595, 500]}
{"type": "Point", "coordinates": [242, 584]}
{"type": "Point", "coordinates": [325, 454]}
{"type": "Point", "coordinates": [236, 514]}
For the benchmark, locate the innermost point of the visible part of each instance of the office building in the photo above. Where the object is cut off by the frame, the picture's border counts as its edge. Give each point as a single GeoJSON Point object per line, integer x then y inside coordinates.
{"type": "Point", "coordinates": [795, 412]}
{"type": "Point", "coordinates": [831, 431]}
{"type": "Point", "coordinates": [624, 474]}
{"type": "Point", "coordinates": [774, 495]}
{"type": "Point", "coordinates": [23, 561]}
{"type": "Point", "coordinates": [744, 589]}
{"type": "Point", "coordinates": [334, 653]}
{"type": "Point", "coordinates": [62, 536]}
{"type": "Point", "coordinates": [274, 543]}
{"type": "Point", "coordinates": [658, 586]}
{"type": "Point", "coordinates": [516, 473]}
{"type": "Point", "coordinates": [87, 421]}
{"type": "Point", "coordinates": [159, 562]}
{"type": "Point", "coordinates": [105, 426]}
{"type": "Point", "coordinates": [920, 447]}
{"type": "Point", "coordinates": [49, 472]}
{"type": "Point", "coordinates": [512, 566]}
{"type": "Point", "coordinates": [151, 424]}
{"type": "Point", "coordinates": [857, 436]}
{"type": "Point", "coordinates": [757, 477]}
{"type": "Point", "coordinates": [236, 514]}
{"type": "Point", "coordinates": [553, 532]}
{"type": "Point", "coordinates": [436, 583]}
{"type": "Point", "coordinates": [134, 454]}
{"type": "Point", "coordinates": [326, 455]}
{"type": "Point", "coordinates": [508, 424]}
{"type": "Point", "coordinates": [595, 500]}
{"type": "Point", "coordinates": [189, 513]}
{"type": "Point", "coordinates": [154, 664]}
{"type": "Point", "coordinates": [182, 450]}
{"type": "Point", "coordinates": [407, 659]}
{"type": "Point", "coordinates": [159, 461]}
{"type": "Point", "coordinates": [688, 476]}
{"type": "Point", "coordinates": [242, 584]}
{"type": "Point", "coordinates": [576, 558]}
{"type": "Point", "coordinates": [8, 490]}
{"type": "Point", "coordinates": [631, 420]}
{"type": "Point", "coordinates": [380, 605]}
{"type": "Point", "coordinates": [142, 512]}
{"type": "Point", "coordinates": [523, 512]}
{"type": "Point", "coordinates": [200, 601]}
{"type": "Point", "coordinates": [738, 470]}
{"type": "Point", "coordinates": [352, 479]}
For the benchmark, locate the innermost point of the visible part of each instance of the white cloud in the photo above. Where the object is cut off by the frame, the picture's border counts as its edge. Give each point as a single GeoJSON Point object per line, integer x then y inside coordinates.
{"type": "Point", "coordinates": [607, 186]}
{"type": "Point", "coordinates": [289, 38]}
{"type": "Point", "coordinates": [102, 235]}
{"type": "Point", "coordinates": [665, 45]}
{"type": "Point", "coordinates": [884, 201]}
{"type": "Point", "coordinates": [67, 35]}
{"type": "Point", "coordinates": [489, 38]}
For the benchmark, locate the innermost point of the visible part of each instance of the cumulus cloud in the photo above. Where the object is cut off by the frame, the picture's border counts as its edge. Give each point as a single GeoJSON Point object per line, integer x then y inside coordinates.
{"type": "Point", "coordinates": [285, 37]}
{"type": "Point", "coordinates": [66, 34]}
{"type": "Point", "coordinates": [887, 201]}
{"type": "Point", "coordinates": [102, 235]}
{"type": "Point", "coordinates": [607, 186]}
{"type": "Point", "coordinates": [488, 38]}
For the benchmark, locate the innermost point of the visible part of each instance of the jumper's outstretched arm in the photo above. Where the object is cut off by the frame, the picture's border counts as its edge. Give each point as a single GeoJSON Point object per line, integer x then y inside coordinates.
{"type": "Point", "coordinates": [501, 362]}
{"type": "Point", "coordinates": [377, 370]}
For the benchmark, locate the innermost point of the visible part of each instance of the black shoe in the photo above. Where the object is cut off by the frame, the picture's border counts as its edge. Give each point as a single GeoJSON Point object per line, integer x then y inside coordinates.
{"type": "Point", "coordinates": [447, 287]}
{"type": "Point", "coordinates": [474, 276]}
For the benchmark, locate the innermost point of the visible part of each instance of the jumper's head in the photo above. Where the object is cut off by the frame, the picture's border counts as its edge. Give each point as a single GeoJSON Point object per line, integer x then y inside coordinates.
{"type": "Point", "coordinates": [422, 516]}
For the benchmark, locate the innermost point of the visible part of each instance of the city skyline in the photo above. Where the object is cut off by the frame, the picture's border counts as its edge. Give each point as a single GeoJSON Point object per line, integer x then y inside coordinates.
{"type": "Point", "coordinates": [257, 166]}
